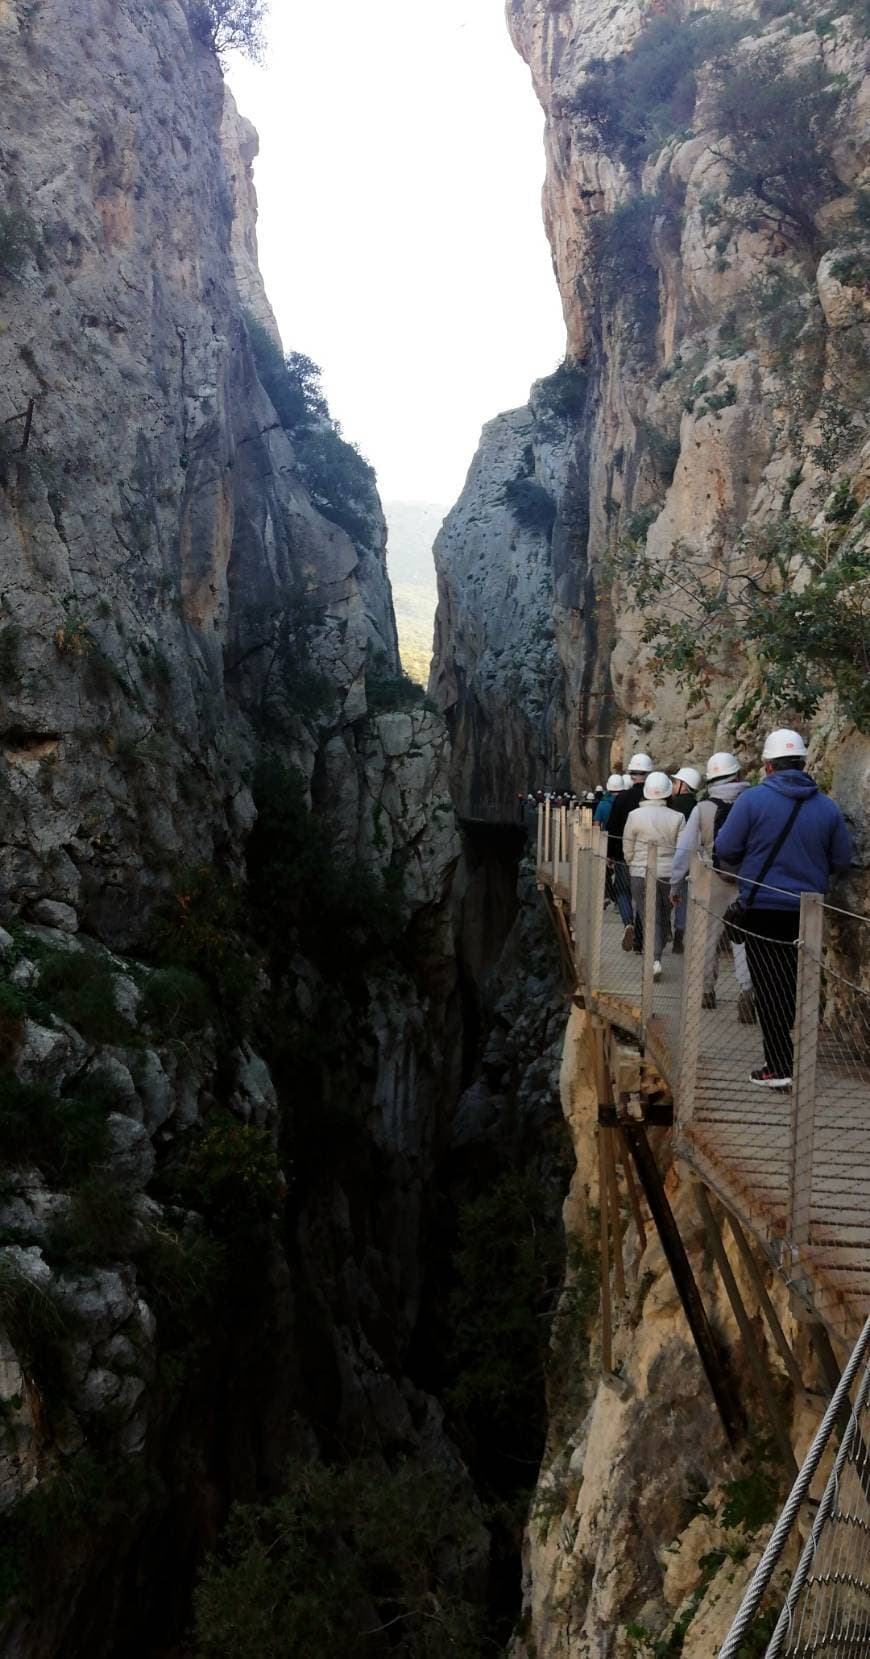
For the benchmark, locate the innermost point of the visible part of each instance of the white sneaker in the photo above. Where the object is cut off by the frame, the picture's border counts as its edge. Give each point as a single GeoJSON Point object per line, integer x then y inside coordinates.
{"type": "Point", "coordinates": [657, 970]}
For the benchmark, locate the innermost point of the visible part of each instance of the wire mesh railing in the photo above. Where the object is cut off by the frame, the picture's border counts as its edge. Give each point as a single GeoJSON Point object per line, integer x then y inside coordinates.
{"type": "Point", "coordinates": [826, 1611]}
{"type": "Point", "coordinates": [762, 1030]}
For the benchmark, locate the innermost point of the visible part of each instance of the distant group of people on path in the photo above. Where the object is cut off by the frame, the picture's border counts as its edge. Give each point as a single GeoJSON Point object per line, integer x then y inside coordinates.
{"type": "Point", "coordinates": [767, 844]}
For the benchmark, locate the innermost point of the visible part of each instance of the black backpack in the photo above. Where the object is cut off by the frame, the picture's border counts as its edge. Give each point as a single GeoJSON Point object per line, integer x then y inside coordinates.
{"type": "Point", "coordinates": [722, 810]}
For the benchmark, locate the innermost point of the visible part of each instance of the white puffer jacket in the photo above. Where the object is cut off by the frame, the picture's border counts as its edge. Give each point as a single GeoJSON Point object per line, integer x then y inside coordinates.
{"type": "Point", "coordinates": [656, 824]}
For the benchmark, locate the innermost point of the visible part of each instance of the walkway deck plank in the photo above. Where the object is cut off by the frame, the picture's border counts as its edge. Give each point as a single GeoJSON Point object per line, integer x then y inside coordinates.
{"type": "Point", "coordinates": [739, 1137]}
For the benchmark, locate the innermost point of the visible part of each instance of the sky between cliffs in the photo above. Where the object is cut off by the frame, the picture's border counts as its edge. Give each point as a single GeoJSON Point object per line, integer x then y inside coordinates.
{"type": "Point", "coordinates": [399, 178]}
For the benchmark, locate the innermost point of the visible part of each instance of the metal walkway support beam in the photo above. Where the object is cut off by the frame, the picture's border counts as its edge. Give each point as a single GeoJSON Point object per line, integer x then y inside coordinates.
{"type": "Point", "coordinates": [709, 1352]}
{"type": "Point", "coordinates": [744, 1325]}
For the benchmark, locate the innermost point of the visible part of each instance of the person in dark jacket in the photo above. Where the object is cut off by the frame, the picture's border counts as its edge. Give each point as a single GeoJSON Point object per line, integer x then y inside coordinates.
{"type": "Point", "coordinates": [816, 846]}
{"type": "Point", "coordinates": [639, 768]}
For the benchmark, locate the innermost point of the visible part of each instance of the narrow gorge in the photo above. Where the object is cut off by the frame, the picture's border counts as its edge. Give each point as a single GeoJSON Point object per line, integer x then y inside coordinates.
{"type": "Point", "coordinates": [299, 1335]}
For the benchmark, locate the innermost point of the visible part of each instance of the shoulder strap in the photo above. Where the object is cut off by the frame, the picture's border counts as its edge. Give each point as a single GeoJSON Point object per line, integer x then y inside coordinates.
{"type": "Point", "coordinates": [706, 820]}
{"type": "Point", "coordinates": [750, 898]}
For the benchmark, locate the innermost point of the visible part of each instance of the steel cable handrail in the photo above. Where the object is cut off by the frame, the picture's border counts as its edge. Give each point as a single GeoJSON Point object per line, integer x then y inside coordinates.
{"type": "Point", "coordinates": [780, 1535]}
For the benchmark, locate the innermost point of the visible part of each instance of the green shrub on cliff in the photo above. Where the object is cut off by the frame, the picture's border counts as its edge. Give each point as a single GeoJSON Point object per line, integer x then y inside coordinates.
{"type": "Point", "coordinates": [777, 128]}
{"type": "Point", "coordinates": [638, 100]}
{"type": "Point", "coordinates": [340, 480]}
{"type": "Point", "coordinates": [230, 25]}
{"type": "Point", "coordinates": [810, 640]}
{"type": "Point", "coordinates": [364, 1559]}
{"type": "Point", "coordinates": [531, 505]}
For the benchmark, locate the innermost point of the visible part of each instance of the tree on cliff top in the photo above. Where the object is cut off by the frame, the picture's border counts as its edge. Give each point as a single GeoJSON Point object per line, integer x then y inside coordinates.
{"type": "Point", "coordinates": [231, 25]}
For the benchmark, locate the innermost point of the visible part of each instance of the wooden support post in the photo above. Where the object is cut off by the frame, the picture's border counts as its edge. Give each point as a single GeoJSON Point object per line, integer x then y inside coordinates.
{"type": "Point", "coordinates": [548, 830]}
{"type": "Point", "coordinates": [764, 1302]}
{"type": "Point", "coordinates": [693, 990]}
{"type": "Point", "coordinates": [609, 1149]}
{"type": "Point", "coordinates": [806, 1043]}
{"type": "Point", "coordinates": [541, 814]}
{"type": "Point", "coordinates": [649, 933]}
{"type": "Point", "coordinates": [744, 1325]}
{"type": "Point", "coordinates": [631, 1184]}
{"type": "Point", "coordinates": [675, 1253]}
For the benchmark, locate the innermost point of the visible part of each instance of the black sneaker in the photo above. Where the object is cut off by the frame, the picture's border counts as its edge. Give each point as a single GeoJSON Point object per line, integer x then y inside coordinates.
{"type": "Point", "coordinates": [767, 1079]}
{"type": "Point", "coordinates": [678, 946]}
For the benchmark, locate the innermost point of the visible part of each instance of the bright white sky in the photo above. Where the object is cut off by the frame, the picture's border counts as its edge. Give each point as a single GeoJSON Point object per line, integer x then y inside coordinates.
{"type": "Point", "coordinates": [399, 177]}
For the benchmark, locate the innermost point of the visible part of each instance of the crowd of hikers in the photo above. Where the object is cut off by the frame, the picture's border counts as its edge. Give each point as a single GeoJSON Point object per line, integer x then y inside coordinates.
{"type": "Point", "coordinates": [766, 845]}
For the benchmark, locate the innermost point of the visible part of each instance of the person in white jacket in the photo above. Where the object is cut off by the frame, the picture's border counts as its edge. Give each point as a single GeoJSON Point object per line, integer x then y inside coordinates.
{"type": "Point", "coordinates": [724, 786]}
{"type": "Point", "coordinates": [652, 825]}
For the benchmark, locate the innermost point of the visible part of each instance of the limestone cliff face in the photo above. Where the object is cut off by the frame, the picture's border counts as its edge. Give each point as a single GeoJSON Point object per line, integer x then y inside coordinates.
{"type": "Point", "coordinates": [723, 344]}
{"type": "Point", "coordinates": [642, 1534]}
{"type": "Point", "coordinates": [510, 600]}
{"type": "Point", "coordinates": [156, 528]}
{"type": "Point", "coordinates": [178, 600]}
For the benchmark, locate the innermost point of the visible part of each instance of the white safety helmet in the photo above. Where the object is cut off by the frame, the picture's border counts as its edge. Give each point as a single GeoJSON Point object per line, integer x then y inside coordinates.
{"type": "Point", "coordinates": [689, 776]}
{"type": "Point", "coordinates": [658, 787]}
{"type": "Point", "coordinates": [615, 782]}
{"type": "Point", "coordinates": [627, 780]}
{"type": "Point", "coordinates": [784, 745]}
{"type": "Point", "coordinates": [640, 763]}
{"type": "Point", "coordinates": [722, 765]}
{"type": "Point", "coordinates": [589, 797]}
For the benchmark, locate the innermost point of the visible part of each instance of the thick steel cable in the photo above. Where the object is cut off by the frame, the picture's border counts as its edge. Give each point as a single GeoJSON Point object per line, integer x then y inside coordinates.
{"type": "Point", "coordinates": [779, 1537]}
{"type": "Point", "coordinates": [784, 1621]}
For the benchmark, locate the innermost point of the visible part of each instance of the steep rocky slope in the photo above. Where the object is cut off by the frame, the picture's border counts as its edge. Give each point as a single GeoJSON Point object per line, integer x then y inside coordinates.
{"type": "Point", "coordinates": [669, 549]}
{"type": "Point", "coordinates": [715, 297]}
{"type": "Point", "coordinates": [156, 525]}
{"type": "Point", "coordinates": [230, 1022]}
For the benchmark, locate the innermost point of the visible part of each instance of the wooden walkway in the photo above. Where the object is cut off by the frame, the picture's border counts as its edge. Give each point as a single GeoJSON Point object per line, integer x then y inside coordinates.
{"type": "Point", "coordinates": [739, 1138]}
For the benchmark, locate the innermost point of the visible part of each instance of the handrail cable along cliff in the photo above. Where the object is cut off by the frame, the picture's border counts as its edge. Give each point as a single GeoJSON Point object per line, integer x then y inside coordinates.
{"type": "Point", "coordinates": [787, 1165]}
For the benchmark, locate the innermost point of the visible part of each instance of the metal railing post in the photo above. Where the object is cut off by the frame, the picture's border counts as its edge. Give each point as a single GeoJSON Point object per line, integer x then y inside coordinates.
{"type": "Point", "coordinates": [649, 928]}
{"type": "Point", "coordinates": [581, 923]}
{"type": "Point", "coordinates": [576, 899]}
{"type": "Point", "coordinates": [806, 1046]}
{"type": "Point", "coordinates": [700, 888]}
{"type": "Point", "coordinates": [597, 885]}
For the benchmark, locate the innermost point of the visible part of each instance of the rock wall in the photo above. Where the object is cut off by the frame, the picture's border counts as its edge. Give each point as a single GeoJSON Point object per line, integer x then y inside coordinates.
{"type": "Point", "coordinates": [646, 1527]}
{"type": "Point", "coordinates": [723, 344]}
{"type": "Point", "coordinates": [156, 527]}
{"type": "Point", "coordinates": [180, 605]}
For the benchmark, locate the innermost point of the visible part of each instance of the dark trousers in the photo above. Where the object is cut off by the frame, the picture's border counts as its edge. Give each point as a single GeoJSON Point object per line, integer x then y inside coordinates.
{"type": "Point", "coordinates": [771, 952]}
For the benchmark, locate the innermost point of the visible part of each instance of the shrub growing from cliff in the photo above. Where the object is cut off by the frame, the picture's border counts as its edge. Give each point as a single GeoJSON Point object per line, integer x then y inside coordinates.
{"type": "Point", "coordinates": [230, 25]}
{"type": "Point", "coordinates": [638, 100]}
{"type": "Point", "coordinates": [777, 130]}
{"type": "Point", "coordinates": [340, 480]}
{"type": "Point", "coordinates": [17, 238]}
{"type": "Point", "coordinates": [700, 610]}
{"type": "Point", "coordinates": [531, 505]}
{"type": "Point", "coordinates": [361, 1559]}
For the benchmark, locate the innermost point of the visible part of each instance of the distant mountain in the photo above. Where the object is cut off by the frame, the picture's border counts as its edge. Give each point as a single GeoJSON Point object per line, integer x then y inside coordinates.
{"type": "Point", "coordinates": [413, 526]}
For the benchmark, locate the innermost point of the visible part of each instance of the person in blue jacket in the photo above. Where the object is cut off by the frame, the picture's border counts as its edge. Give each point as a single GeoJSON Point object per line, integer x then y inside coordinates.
{"type": "Point", "coordinates": [784, 837]}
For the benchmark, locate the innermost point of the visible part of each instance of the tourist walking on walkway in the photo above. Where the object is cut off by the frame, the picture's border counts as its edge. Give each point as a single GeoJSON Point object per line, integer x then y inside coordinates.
{"type": "Point", "coordinates": [785, 838]}
{"type": "Point", "coordinates": [604, 808]}
{"type": "Point", "coordinates": [639, 768]}
{"type": "Point", "coordinates": [652, 824]}
{"type": "Point", "coordinates": [724, 787]}
{"type": "Point", "coordinates": [686, 784]}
